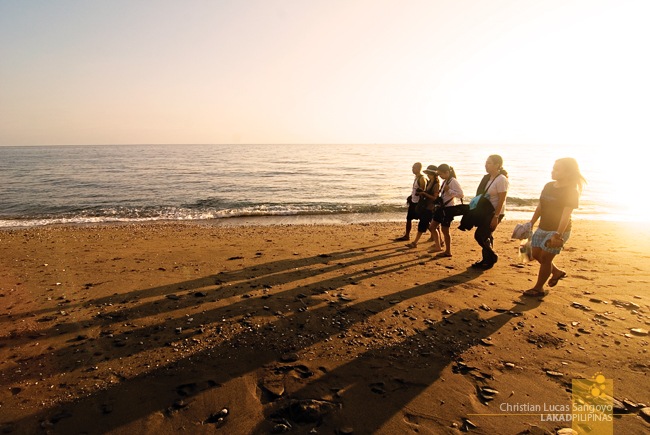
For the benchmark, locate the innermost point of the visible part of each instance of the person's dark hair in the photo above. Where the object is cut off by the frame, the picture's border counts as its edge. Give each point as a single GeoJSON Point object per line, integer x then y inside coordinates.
{"type": "Point", "coordinates": [498, 160]}
{"type": "Point", "coordinates": [446, 168]}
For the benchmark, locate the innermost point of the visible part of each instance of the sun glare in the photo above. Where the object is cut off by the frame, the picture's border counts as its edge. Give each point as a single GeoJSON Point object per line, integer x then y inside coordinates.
{"type": "Point", "coordinates": [613, 177]}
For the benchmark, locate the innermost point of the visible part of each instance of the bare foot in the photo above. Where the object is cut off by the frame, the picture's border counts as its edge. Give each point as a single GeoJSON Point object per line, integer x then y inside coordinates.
{"type": "Point", "coordinates": [435, 249]}
{"type": "Point", "coordinates": [444, 254]}
{"type": "Point", "coordinates": [412, 245]}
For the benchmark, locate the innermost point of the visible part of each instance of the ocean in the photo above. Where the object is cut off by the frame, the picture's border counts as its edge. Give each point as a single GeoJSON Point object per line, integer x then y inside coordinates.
{"type": "Point", "coordinates": [239, 184]}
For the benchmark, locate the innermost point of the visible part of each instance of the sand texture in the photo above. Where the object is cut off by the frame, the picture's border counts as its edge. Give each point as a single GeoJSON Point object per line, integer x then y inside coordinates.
{"type": "Point", "coordinates": [333, 329]}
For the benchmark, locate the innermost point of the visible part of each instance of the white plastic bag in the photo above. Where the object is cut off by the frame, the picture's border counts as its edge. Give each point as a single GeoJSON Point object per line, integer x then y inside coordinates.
{"type": "Point", "coordinates": [522, 231]}
{"type": "Point", "coordinates": [525, 251]}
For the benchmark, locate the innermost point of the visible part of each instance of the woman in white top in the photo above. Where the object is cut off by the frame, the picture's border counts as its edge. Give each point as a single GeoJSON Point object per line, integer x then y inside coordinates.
{"type": "Point", "coordinates": [450, 193]}
{"type": "Point", "coordinates": [494, 186]}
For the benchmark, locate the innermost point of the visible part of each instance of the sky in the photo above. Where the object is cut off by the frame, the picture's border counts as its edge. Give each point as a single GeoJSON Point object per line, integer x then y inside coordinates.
{"type": "Point", "coordinates": [528, 72]}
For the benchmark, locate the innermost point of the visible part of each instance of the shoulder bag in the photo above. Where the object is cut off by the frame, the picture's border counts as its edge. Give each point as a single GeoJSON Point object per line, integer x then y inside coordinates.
{"type": "Point", "coordinates": [480, 210]}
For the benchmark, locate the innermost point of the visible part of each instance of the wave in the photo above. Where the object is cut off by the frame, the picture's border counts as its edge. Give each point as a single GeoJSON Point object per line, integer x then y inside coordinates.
{"type": "Point", "coordinates": [203, 210]}
{"type": "Point", "coordinates": [522, 202]}
{"type": "Point", "coordinates": [219, 209]}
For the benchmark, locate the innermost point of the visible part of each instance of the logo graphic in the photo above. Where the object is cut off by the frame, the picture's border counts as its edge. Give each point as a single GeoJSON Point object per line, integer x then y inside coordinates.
{"type": "Point", "coordinates": [593, 405]}
{"type": "Point", "coordinates": [591, 411]}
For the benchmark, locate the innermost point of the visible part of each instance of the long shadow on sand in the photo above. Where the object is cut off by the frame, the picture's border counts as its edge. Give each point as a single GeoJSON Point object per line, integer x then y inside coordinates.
{"type": "Point", "coordinates": [407, 369]}
{"type": "Point", "coordinates": [248, 351]}
{"type": "Point", "coordinates": [117, 339]}
{"type": "Point", "coordinates": [268, 273]}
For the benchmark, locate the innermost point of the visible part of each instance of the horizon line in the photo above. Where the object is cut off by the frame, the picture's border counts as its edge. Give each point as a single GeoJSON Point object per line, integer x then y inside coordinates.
{"type": "Point", "coordinates": [303, 143]}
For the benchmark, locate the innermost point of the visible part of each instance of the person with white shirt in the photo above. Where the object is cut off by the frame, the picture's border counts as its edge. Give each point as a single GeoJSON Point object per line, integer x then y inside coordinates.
{"type": "Point", "coordinates": [419, 182]}
{"type": "Point", "coordinates": [450, 193]}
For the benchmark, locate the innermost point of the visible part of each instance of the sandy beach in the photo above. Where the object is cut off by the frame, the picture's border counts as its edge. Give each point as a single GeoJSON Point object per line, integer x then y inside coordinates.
{"type": "Point", "coordinates": [334, 329]}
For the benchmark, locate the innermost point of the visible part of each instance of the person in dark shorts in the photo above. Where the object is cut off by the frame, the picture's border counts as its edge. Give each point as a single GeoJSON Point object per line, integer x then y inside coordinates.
{"type": "Point", "coordinates": [450, 193]}
{"type": "Point", "coordinates": [419, 182]}
{"type": "Point", "coordinates": [426, 204]}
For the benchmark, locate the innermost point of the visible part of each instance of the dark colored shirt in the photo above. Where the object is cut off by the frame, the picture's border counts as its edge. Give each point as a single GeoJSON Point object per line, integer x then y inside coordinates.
{"type": "Point", "coordinates": [553, 201]}
{"type": "Point", "coordinates": [430, 188]}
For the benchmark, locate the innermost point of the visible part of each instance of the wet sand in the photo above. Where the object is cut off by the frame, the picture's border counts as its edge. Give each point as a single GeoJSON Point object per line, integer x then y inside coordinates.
{"type": "Point", "coordinates": [170, 327]}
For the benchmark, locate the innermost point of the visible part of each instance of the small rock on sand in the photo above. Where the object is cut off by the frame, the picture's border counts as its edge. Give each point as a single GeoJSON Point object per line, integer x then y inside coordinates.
{"type": "Point", "coordinates": [645, 413]}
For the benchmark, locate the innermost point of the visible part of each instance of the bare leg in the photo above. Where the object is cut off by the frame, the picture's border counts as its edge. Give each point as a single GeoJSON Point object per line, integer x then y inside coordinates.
{"type": "Point", "coordinates": [432, 230]}
{"type": "Point", "coordinates": [445, 232]}
{"type": "Point", "coordinates": [407, 233]}
{"type": "Point", "coordinates": [435, 235]}
{"type": "Point", "coordinates": [414, 243]}
{"type": "Point", "coordinates": [546, 267]}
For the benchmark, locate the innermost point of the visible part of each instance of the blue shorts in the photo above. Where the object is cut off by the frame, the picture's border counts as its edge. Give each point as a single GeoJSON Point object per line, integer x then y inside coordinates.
{"type": "Point", "coordinates": [540, 237]}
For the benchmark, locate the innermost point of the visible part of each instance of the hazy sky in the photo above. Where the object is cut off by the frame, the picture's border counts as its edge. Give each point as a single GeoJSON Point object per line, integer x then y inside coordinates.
{"type": "Point", "coordinates": [332, 71]}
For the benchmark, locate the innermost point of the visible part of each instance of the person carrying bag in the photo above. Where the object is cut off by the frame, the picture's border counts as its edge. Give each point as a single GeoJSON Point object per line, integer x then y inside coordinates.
{"type": "Point", "coordinates": [487, 210]}
{"type": "Point", "coordinates": [480, 208]}
{"type": "Point", "coordinates": [447, 209]}
{"type": "Point", "coordinates": [426, 204]}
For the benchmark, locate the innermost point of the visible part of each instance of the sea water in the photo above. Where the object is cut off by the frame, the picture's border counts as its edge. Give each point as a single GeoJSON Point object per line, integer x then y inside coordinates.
{"type": "Point", "coordinates": [43, 185]}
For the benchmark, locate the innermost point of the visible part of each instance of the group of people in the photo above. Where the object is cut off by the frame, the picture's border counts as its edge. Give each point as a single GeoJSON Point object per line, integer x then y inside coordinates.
{"type": "Point", "coordinates": [437, 198]}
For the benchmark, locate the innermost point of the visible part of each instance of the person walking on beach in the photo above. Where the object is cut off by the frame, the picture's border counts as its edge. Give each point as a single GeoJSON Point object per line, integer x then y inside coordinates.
{"type": "Point", "coordinates": [419, 182]}
{"type": "Point", "coordinates": [450, 193]}
{"type": "Point", "coordinates": [494, 187]}
{"type": "Point", "coordinates": [556, 204]}
{"type": "Point", "coordinates": [426, 204]}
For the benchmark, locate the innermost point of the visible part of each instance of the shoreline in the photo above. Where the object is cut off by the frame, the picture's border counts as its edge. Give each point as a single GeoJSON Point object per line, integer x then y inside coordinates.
{"type": "Point", "coordinates": [302, 219]}
{"type": "Point", "coordinates": [156, 327]}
